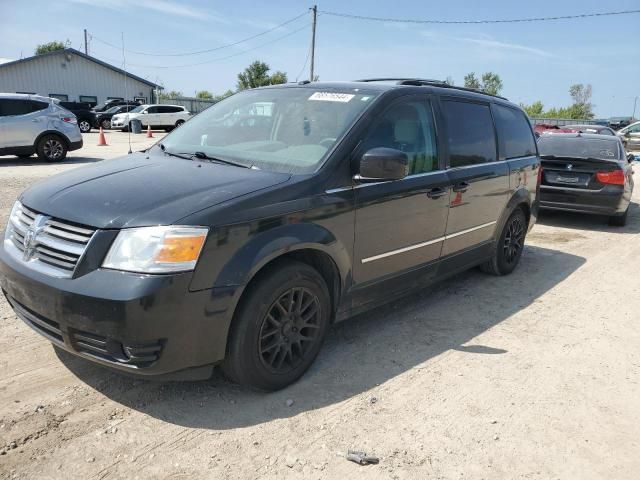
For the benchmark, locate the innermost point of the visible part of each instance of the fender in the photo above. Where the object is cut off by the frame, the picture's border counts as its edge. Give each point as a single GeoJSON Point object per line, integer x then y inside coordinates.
{"type": "Point", "coordinates": [51, 132]}
{"type": "Point", "coordinates": [520, 196]}
{"type": "Point", "coordinates": [258, 250]}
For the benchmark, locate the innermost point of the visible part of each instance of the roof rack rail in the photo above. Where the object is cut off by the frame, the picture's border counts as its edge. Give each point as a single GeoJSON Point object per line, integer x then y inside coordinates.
{"type": "Point", "coordinates": [426, 82]}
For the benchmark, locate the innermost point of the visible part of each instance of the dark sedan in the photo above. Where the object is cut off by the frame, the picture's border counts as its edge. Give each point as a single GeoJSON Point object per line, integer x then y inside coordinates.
{"type": "Point", "coordinates": [586, 173]}
{"type": "Point", "coordinates": [103, 119]}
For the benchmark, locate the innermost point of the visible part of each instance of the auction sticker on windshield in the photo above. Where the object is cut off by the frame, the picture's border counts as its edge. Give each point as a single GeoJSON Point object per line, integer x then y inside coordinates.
{"type": "Point", "coordinates": [331, 97]}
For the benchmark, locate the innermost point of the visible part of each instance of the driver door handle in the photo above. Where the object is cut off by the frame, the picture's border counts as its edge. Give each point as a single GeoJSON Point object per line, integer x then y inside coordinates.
{"type": "Point", "coordinates": [436, 192]}
{"type": "Point", "coordinates": [460, 187]}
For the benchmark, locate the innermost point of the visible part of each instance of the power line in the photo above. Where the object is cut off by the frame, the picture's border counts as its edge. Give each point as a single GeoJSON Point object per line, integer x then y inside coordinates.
{"type": "Point", "coordinates": [455, 22]}
{"type": "Point", "coordinates": [216, 59]}
{"type": "Point", "coordinates": [184, 54]}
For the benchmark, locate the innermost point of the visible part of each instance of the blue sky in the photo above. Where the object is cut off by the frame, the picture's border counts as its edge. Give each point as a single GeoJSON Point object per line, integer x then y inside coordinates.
{"type": "Point", "coordinates": [537, 61]}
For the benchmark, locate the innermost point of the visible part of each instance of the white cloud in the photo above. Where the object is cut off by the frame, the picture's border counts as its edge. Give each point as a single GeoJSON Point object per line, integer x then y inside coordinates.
{"type": "Point", "coordinates": [505, 46]}
{"type": "Point", "coordinates": [161, 6]}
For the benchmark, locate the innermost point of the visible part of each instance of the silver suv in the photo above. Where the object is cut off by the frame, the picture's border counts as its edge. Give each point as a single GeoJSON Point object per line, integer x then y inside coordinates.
{"type": "Point", "coordinates": [33, 124]}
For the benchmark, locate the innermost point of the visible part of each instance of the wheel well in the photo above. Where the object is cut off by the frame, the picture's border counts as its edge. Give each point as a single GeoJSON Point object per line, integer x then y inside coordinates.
{"type": "Point", "coordinates": [526, 209]}
{"type": "Point", "coordinates": [320, 261]}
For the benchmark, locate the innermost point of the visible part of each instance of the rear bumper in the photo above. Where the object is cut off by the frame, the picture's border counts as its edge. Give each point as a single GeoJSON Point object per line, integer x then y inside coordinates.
{"type": "Point", "coordinates": [75, 145]}
{"type": "Point", "coordinates": [610, 200]}
{"type": "Point", "coordinates": [148, 325]}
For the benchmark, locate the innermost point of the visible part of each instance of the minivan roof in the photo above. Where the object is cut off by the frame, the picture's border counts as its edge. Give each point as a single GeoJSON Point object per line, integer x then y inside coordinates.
{"type": "Point", "coordinates": [386, 84]}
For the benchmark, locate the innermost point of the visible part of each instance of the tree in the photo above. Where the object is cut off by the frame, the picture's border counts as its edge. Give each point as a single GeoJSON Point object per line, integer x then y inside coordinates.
{"type": "Point", "coordinates": [171, 94]}
{"type": "Point", "coordinates": [50, 47]}
{"type": "Point", "coordinates": [470, 81]}
{"type": "Point", "coordinates": [536, 109]}
{"type": "Point", "coordinates": [491, 82]}
{"type": "Point", "coordinates": [204, 95]}
{"type": "Point", "coordinates": [257, 75]}
{"type": "Point", "coordinates": [226, 94]}
{"type": "Point", "coordinates": [582, 106]}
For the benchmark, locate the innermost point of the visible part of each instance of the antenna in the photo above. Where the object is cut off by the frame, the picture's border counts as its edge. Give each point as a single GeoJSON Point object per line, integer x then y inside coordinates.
{"type": "Point", "coordinates": [126, 93]}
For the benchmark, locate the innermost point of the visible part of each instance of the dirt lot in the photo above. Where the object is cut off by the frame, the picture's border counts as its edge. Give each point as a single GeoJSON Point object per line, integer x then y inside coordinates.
{"type": "Point", "coordinates": [532, 376]}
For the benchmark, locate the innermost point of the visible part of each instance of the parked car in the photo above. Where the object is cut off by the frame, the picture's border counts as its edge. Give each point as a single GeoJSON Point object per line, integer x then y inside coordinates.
{"type": "Point", "coordinates": [595, 129]}
{"type": "Point", "coordinates": [82, 111]}
{"type": "Point", "coordinates": [586, 173]}
{"type": "Point", "coordinates": [164, 117]}
{"type": "Point", "coordinates": [103, 107]}
{"type": "Point", "coordinates": [33, 124]}
{"type": "Point", "coordinates": [103, 119]}
{"type": "Point", "coordinates": [541, 128]}
{"type": "Point", "coordinates": [631, 136]}
{"type": "Point", "coordinates": [239, 239]}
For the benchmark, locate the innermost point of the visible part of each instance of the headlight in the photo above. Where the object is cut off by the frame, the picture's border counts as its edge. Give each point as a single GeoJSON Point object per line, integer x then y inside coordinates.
{"type": "Point", "coordinates": [164, 249]}
{"type": "Point", "coordinates": [13, 218]}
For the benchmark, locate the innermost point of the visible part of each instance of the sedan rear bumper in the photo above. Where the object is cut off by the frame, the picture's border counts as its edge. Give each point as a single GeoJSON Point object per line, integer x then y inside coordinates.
{"type": "Point", "coordinates": [610, 200]}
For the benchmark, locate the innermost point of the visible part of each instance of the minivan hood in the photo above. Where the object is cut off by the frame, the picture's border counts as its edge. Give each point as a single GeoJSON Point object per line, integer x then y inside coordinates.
{"type": "Point", "coordinates": [143, 189]}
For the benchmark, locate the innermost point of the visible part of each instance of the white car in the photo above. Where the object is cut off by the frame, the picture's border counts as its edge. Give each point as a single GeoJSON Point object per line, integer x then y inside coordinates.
{"type": "Point", "coordinates": [630, 136]}
{"type": "Point", "coordinates": [157, 116]}
{"type": "Point", "coordinates": [33, 124]}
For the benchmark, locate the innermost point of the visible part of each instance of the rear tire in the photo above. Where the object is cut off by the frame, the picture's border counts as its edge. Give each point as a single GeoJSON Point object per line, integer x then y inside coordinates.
{"type": "Point", "coordinates": [619, 220]}
{"type": "Point", "coordinates": [84, 126]}
{"type": "Point", "coordinates": [279, 327]}
{"type": "Point", "coordinates": [508, 249]}
{"type": "Point", "coordinates": [105, 124]}
{"type": "Point", "coordinates": [51, 148]}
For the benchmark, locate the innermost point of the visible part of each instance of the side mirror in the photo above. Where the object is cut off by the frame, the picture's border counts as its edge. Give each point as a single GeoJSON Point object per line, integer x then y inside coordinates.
{"type": "Point", "coordinates": [383, 164]}
{"type": "Point", "coordinates": [144, 112]}
{"type": "Point", "coordinates": [630, 157]}
{"type": "Point", "coordinates": [627, 134]}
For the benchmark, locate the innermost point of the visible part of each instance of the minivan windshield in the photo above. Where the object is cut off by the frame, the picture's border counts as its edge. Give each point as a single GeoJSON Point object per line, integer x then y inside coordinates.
{"type": "Point", "coordinates": [287, 130]}
{"type": "Point", "coordinates": [558, 145]}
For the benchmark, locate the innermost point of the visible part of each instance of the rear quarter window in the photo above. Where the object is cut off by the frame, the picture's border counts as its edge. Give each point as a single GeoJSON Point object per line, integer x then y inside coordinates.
{"type": "Point", "coordinates": [514, 133]}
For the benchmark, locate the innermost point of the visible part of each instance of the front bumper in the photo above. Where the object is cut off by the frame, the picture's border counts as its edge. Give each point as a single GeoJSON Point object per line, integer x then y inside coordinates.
{"type": "Point", "coordinates": [149, 325]}
{"type": "Point", "coordinates": [610, 200]}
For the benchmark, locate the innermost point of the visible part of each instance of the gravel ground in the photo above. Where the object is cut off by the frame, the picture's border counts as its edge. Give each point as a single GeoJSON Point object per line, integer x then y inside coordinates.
{"type": "Point", "coordinates": [531, 376]}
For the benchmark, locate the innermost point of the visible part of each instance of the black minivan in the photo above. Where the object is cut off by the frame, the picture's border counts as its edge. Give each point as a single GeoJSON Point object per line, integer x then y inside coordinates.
{"type": "Point", "coordinates": [241, 236]}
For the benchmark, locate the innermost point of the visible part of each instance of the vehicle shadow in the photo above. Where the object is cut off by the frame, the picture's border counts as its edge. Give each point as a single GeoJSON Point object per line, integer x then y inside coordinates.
{"type": "Point", "coordinates": [598, 223]}
{"type": "Point", "coordinates": [359, 354]}
{"type": "Point", "coordinates": [33, 161]}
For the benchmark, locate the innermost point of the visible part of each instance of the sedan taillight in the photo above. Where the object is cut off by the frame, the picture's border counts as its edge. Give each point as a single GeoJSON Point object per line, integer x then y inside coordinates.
{"type": "Point", "coordinates": [615, 177]}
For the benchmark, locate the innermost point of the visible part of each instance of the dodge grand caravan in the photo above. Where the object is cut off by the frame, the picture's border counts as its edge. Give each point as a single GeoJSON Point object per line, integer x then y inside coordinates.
{"type": "Point", "coordinates": [240, 237]}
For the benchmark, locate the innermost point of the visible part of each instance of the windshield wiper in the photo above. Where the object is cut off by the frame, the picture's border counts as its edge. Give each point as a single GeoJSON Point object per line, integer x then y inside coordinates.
{"type": "Point", "coordinates": [204, 156]}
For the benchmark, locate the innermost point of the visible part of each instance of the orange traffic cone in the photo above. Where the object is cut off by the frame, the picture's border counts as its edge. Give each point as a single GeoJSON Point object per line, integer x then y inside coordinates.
{"type": "Point", "coordinates": [102, 142]}
{"type": "Point", "coordinates": [149, 134]}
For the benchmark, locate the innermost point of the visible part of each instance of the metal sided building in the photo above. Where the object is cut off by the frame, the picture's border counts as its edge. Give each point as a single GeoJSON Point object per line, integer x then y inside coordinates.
{"type": "Point", "coordinates": [73, 76]}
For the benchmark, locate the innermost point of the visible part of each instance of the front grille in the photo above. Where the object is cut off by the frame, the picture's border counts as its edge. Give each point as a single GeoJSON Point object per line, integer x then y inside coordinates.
{"type": "Point", "coordinates": [46, 327]}
{"type": "Point", "coordinates": [58, 244]}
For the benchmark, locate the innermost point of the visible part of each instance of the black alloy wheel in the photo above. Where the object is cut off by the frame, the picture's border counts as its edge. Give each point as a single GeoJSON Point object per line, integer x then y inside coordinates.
{"type": "Point", "coordinates": [513, 240]}
{"type": "Point", "coordinates": [289, 330]}
{"type": "Point", "coordinates": [509, 245]}
{"type": "Point", "coordinates": [279, 326]}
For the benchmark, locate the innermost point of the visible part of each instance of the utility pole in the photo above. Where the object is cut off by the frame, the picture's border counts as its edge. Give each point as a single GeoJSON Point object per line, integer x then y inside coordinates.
{"type": "Point", "coordinates": [314, 13]}
{"type": "Point", "coordinates": [635, 101]}
{"type": "Point", "coordinates": [86, 45]}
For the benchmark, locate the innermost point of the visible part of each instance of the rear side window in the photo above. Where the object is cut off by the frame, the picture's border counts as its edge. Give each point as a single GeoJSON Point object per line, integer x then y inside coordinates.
{"type": "Point", "coordinates": [12, 107]}
{"type": "Point", "coordinates": [37, 106]}
{"type": "Point", "coordinates": [514, 133]}
{"type": "Point", "coordinates": [470, 133]}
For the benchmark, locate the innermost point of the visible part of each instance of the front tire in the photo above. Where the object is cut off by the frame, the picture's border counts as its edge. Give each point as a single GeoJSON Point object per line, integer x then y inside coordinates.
{"type": "Point", "coordinates": [279, 327]}
{"type": "Point", "coordinates": [51, 148]}
{"type": "Point", "coordinates": [508, 248]}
